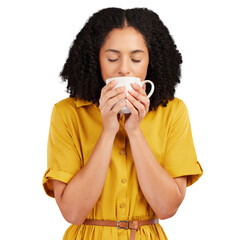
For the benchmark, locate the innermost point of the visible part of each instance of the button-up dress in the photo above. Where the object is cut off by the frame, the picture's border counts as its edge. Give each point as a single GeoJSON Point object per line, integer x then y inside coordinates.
{"type": "Point", "coordinates": [75, 128]}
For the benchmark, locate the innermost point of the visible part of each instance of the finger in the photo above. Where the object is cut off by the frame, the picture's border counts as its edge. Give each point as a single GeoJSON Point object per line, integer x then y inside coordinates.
{"type": "Point", "coordinates": [138, 105]}
{"type": "Point", "coordinates": [110, 94]}
{"type": "Point", "coordinates": [113, 93]}
{"type": "Point", "coordinates": [109, 105]}
{"type": "Point", "coordinates": [132, 109]}
{"type": "Point", "coordinates": [108, 87]}
{"type": "Point", "coordinates": [144, 87]}
{"type": "Point", "coordinates": [114, 96]}
{"type": "Point", "coordinates": [118, 107]}
{"type": "Point", "coordinates": [139, 89]}
{"type": "Point", "coordinates": [140, 98]}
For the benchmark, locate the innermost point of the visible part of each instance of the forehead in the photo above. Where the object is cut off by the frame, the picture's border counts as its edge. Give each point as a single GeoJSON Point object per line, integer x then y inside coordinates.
{"type": "Point", "coordinates": [125, 38]}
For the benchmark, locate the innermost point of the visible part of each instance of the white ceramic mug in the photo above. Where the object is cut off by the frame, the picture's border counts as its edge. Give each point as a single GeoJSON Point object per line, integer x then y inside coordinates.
{"type": "Point", "coordinates": [126, 82]}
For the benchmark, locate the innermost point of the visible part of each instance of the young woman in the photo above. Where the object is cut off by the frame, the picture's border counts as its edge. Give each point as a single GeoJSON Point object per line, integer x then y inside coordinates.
{"type": "Point", "coordinates": [114, 175]}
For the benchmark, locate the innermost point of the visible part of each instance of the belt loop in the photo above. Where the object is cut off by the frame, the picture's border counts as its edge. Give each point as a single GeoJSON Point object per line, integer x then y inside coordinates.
{"type": "Point", "coordinates": [135, 225]}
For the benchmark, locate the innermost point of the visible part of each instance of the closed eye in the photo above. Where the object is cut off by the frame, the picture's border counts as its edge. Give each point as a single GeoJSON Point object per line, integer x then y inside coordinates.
{"type": "Point", "coordinates": [136, 60]}
{"type": "Point", "coordinates": [114, 60]}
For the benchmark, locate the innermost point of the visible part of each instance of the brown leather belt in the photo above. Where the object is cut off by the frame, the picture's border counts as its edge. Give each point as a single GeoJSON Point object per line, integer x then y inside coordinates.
{"type": "Point", "coordinates": [132, 225]}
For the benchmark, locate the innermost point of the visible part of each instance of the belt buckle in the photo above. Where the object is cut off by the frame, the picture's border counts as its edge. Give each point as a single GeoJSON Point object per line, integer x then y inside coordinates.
{"type": "Point", "coordinates": [118, 227]}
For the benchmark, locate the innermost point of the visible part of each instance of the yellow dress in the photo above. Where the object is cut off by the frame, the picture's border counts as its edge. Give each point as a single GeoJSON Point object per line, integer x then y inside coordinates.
{"type": "Point", "coordinates": [74, 130]}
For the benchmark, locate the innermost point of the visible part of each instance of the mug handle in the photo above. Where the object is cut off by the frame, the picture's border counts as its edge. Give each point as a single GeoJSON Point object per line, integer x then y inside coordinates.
{"type": "Point", "coordinates": [152, 88]}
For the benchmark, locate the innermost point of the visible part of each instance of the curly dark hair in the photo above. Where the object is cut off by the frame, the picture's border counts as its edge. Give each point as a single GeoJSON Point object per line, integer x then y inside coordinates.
{"type": "Point", "coordinates": [82, 67]}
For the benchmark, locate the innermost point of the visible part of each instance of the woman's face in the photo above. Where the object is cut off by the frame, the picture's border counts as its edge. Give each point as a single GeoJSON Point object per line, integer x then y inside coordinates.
{"type": "Point", "coordinates": [124, 54]}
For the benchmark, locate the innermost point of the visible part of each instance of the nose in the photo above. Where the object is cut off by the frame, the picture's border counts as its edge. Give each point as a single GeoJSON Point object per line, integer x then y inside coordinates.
{"type": "Point", "coordinates": [124, 67]}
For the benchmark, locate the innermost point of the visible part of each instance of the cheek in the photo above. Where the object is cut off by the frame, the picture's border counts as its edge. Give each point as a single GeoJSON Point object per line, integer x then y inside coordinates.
{"type": "Point", "coordinates": [103, 67]}
{"type": "Point", "coordinates": [107, 70]}
{"type": "Point", "coordinates": [141, 71]}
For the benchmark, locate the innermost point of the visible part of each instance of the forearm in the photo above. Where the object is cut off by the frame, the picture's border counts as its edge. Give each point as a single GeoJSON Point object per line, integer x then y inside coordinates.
{"type": "Point", "coordinates": [83, 191]}
{"type": "Point", "coordinates": [159, 188]}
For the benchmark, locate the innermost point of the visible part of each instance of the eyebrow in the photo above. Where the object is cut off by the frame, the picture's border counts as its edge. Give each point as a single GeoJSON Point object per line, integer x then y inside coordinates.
{"type": "Point", "coordinates": [116, 51]}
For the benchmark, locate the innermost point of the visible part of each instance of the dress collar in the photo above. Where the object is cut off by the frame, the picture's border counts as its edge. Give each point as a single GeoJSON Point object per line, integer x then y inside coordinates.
{"type": "Point", "coordinates": [82, 103]}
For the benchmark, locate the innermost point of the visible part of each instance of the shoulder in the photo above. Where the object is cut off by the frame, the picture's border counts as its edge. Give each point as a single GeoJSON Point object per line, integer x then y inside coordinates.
{"type": "Point", "coordinates": [176, 105]}
{"type": "Point", "coordinates": [178, 108]}
{"type": "Point", "coordinates": [68, 108]}
{"type": "Point", "coordinates": [179, 113]}
{"type": "Point", "coordinates": [65, 104]}
{"type": "Point", "coordinates": [174, 110]}
{"type": "Point", "coordinates": [64, 108]}
{"type": "Point", "coordinates": [69, 103]}
{"type": "Point", "coordinates": [72, 103]}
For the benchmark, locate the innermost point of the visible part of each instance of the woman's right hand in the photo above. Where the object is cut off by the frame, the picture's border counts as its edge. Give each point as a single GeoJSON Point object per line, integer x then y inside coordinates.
{"type": "Point", "coordinates": [110, 115]}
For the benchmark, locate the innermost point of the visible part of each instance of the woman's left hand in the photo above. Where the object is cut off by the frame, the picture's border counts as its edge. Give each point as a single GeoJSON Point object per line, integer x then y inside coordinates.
{"type": "Point", "coordinates": [138, 104]}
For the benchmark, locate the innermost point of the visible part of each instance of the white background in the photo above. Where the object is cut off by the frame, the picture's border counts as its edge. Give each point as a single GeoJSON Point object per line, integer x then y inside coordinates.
{"type": "Point", "coordinates": [35, 39]}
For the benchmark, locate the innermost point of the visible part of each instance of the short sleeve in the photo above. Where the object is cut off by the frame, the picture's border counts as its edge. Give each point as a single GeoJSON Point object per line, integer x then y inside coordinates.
{"type": "Point", "coordinates": [180, 156]}
{"type": "Point", "coordinates": [63, 160]}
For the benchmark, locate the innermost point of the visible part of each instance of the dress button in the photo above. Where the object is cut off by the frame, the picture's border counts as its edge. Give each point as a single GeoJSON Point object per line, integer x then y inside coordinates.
{"type": "Point", "coordinates": [124, 180]}
{"type": "Point", "coordinates": [122, 205]}
{"type": "Point", "coordinates": [122, 152]}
